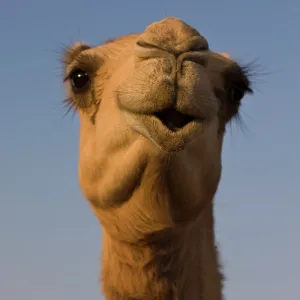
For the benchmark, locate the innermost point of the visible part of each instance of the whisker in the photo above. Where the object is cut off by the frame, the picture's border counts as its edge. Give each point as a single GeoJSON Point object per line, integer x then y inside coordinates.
{"type": "Point", "coordinates": [241, 124]}
{"type": "Point", "coordinates": [70, 107]}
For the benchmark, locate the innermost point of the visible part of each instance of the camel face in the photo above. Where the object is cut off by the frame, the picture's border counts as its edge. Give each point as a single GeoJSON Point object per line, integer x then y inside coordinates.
{"type": "Point", "coordinates": [153, 108]}
{"type": "Point", "coordinates": [159, 95]}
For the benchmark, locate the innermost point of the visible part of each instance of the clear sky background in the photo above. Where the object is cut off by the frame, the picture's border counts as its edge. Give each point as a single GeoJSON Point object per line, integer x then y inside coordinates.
{"type": "Point", "coordinates": [50, 241]}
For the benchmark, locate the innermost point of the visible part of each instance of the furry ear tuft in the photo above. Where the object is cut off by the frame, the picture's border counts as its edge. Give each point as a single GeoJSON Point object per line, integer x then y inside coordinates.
{"type": "Point", "coordinates": [72, 52]}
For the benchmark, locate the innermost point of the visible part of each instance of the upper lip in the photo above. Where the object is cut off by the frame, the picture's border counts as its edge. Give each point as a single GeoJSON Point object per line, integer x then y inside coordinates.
{"type": "Point", "coordinates": [173, 119]}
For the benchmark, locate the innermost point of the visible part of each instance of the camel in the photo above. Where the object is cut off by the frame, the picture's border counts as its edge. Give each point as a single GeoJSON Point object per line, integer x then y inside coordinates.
{"type": "Point", "coordinates": [153, 109]}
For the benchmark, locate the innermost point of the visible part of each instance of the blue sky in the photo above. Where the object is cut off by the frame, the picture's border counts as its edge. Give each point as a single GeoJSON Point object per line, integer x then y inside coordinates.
{"type": "Point", "coordinates": [50, 241]}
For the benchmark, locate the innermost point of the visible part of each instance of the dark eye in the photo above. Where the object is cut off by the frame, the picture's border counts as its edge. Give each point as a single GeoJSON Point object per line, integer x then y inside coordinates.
{"type": "Point", "coordinates": [80, 80]}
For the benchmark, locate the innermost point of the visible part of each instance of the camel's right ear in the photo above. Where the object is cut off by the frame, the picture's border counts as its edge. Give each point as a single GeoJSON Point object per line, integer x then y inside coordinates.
{"type": "Point", "coordinates": [226, 55]}
{"type": "Point", "coordinates": [72, 52]}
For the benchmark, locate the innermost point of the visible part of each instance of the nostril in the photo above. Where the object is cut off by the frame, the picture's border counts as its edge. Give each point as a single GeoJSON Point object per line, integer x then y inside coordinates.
{"type": "Point", "coordinates": [144, 50]}
{"type": "Point", "coordinates": [144, 44]}
{"type": "Point", "coordinates": [200, 46]}
{"type": "Point", "coordinates": [197, 43]}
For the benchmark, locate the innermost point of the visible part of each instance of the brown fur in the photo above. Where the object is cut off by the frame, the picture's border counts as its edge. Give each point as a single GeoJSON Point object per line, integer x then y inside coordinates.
{"type": "Point", "coordinates": [152, 188]}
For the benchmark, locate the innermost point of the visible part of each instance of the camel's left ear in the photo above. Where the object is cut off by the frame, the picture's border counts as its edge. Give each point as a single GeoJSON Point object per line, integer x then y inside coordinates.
{"type": "Point", "coordinates": [73, 51]}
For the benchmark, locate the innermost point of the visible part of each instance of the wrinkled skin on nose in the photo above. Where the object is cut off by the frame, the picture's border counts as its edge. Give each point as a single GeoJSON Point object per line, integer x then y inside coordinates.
{"type": "Point", "coordinates": [169, 95]}
{"type": "Point", "coordinates": [172, 35]}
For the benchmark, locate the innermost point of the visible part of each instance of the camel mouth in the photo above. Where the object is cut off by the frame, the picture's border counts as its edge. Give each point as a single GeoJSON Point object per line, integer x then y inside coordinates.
{"type": "Point", "coordinates": [173, 119]}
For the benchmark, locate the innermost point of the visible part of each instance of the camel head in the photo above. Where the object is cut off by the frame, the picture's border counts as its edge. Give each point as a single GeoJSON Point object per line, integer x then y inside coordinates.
{"type": "Point", "coordinates": [153, 109]}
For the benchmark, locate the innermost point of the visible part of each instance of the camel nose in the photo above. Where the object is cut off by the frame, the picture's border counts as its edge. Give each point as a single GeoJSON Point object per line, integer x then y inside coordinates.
{"type": "Point", "coordinates": [171, 35]}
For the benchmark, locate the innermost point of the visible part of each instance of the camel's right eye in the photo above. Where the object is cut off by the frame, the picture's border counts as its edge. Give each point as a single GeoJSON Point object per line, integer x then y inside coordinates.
{"type": "Point", "coordinates": [80, 80]}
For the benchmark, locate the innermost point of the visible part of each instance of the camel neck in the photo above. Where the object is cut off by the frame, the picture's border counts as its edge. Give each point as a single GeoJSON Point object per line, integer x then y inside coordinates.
{"type": "Point", "coordinates": [172, 265]}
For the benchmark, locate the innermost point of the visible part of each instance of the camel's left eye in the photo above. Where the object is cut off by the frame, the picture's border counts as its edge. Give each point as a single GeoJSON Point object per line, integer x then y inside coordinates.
{"type": "Point", "coordinates": [80, 80]}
